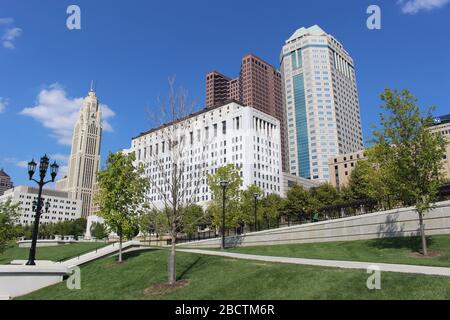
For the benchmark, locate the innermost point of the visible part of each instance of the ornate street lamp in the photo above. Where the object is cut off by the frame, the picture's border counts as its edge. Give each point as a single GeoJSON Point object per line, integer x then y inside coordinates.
{"type": "Point", "coordinates": [255, 197]}
{"type": "Point", "coordinates": [224, 185]}
{"type": "Point", "coordinates": [38, 205]}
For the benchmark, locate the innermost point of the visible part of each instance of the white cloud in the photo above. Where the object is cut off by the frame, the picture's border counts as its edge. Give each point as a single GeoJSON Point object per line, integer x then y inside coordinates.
{"type": "Point", "coordinates": [18, 163]}
{"type": "Point", "coordinates": [414, 6]}
{"type": "Point", "coordinates": [3, 104]}
{"type": "Point", "coordinates": [22, 164]}
{"type": "Point", "coordinates": [10, 33]}
{"type": "Point", "coordinates": [60, 157]}
{"type": "Point", "coordinates": [6, 20]}
{"type": "Point", "coordinates": [57, 112]}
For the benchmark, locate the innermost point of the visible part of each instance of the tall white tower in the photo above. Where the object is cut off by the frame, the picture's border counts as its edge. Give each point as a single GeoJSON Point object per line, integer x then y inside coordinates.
{"type": "Point", "coordinates": [321, 102]}
{"type": "Point", "coordinates": [85, 155]}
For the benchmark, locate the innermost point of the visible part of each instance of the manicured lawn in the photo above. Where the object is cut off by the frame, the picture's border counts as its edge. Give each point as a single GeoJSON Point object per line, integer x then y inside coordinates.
{"type": "Point", "coordinates": [56, 253]}
{"type": "Point", "coordinates": [222, 278]}
{"type": "Point", "coordinates": [393, 250]}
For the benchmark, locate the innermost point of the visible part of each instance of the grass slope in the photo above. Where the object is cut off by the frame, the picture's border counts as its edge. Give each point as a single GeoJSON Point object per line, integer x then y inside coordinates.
{"type": "Point", "coordinates": [221, 278]}
{"type": "Point", "coordinates": [392, 250]}
{"type": "Point", "coordinates": [56, 253]}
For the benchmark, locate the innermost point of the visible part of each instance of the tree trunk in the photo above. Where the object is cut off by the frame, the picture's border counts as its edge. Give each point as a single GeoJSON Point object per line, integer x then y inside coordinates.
{"type": "Point", "coordinates": [422, 234]}
{"type": "Point", "coordinates": [120, 249]}
{"type": "Point", "coordinates": [172, 262]}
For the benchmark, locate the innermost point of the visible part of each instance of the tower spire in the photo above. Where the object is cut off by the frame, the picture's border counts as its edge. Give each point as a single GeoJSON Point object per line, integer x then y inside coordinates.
{"type": "Point", "coordinates": [92, 86]}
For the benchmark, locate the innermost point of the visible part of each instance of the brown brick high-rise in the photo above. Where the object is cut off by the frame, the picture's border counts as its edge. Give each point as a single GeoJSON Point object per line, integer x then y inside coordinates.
{"type": "Point", "coordinates": [5, 182]}
{"type": "Point", "coordinates": [258, 85]}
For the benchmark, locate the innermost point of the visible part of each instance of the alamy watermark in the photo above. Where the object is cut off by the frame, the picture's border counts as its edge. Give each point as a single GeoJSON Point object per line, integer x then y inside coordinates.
{"type": "Point", "coordinates": [73, 22]}
{"type": "Point", "coordinates": [374, 20]}
{"type": "Point", "coordinates": [374, 280]}
{"type": "Point", "coordinates": [74, 280]}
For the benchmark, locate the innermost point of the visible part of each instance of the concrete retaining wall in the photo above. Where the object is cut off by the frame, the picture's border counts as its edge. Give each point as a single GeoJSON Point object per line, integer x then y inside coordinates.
{"type": "Point", "coordinates": [19, 280]}
{"type": "Point", "coordinates": [393, 223]}
{"type": "Point", "coordinates": [44, 243]}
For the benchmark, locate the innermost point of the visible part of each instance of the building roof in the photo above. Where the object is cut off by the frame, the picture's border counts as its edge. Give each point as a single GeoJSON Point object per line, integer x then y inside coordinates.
{"type": "Point", "coordinates": [197, 113]}
{"type": "Point", "coordinates": [313, 30]}
{"type": "Point", "coordinates": [45, 192]}
{"type": "Point", "coordinates": [252, 55]}
{"type": "Point", "coordinates": [441, 120]}
{"type": "Point", "coordinates": [218, 73]}
{"type": "Point", "coordinates": [3, 173]}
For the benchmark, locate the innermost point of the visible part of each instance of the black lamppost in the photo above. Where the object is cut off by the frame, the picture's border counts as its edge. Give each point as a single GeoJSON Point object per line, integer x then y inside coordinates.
{"type": "Point", "coordinates": [255, 197]}
{"type": "Point", "coordinates": [224, 185]}
{"type": "Point", "coordinates": [43, 166]}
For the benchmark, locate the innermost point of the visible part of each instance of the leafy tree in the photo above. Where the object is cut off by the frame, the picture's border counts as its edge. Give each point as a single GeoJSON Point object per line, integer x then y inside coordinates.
{"type": "Point", "coordinates": [121, 195]}
{"type": "Point", "coordinates": [78, 227]}
{"type": "Point", "coordinates": [323, 195]}
{"type": "Point", "coordinates": [233, 212]}
{"type": "Point", "coordinates": [8, 215]}
{"type": "Point", "coordinates": [411, 151]}
{"type": "Point", "coordinates": [297, 201]}
{"type": "Point", "coordinates": [272, 207]}
{"type": "Point", "coordinates": [248, 205]}
{"type": "Point", "coordinates": [98, 230]}
{"type": "Point", "coordinates": [145, 224]}
{"type": "Point", "coordinates": [364, 182]}
{"type": "Point", "coordinates": [160, 222]}
{"type": "Point", "coordinates": [192, 217]}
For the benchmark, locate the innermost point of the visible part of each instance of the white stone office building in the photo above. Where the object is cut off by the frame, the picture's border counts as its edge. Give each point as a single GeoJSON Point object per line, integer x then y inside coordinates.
{"type": "Point", "coordinates": [321, 102]}
{"type": "Point", "coordinates": [215, 137]}
{"type": "Point", "coordinates": [84, 159]}
{"type": "Point", "coordinates": [62, 208]}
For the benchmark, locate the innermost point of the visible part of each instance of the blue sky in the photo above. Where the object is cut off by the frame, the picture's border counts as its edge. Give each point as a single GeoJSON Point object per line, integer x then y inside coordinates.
{"type": "Point", "coordinates": [131, 48]}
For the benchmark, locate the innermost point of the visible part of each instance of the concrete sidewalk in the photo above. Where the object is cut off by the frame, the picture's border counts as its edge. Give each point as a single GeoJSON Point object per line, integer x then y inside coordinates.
{"type": "Point", "coordinates": [388, 267]}
{"type": "Point", "coordinates": [100, 253]}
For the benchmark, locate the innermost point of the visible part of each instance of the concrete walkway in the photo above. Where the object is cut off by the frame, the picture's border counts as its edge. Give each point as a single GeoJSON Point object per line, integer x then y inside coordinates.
{"type": "Point", "coordinates": [100, 253]}
{"type": "Point", "coordinates": [388, 267]}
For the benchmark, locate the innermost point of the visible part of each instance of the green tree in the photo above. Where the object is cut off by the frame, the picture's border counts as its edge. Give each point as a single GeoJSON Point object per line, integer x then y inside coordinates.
{"type": "Point", "coordinates": [98, 230]}
{"type": "Point", "coordinates": [272, 207]}
{"type": "Point", "coordinates": [323, 195]}
{"type": "Point", "coordinates": [192, 218]}
{"type": "Point", "coordinates": [297, 201]}
{"type": "Point", "coordinates": [145, 223]}
{"type": "Point", "coordinates": [8, 215]}
{"type": "Point", "coordinates": [247, 214]}
{"type": "Point", "coordinates": [364, 182]}
{"type": "Point", "coordinates": [121, 195]}
{"type": "Point", "coordinates": [78, 227]}
{"type": "Point", "coordinates": [233, 212]}
{"type": "Point", "coordinates": [412, 150]}
{"type": "Point", "coordinates": [160, 222]}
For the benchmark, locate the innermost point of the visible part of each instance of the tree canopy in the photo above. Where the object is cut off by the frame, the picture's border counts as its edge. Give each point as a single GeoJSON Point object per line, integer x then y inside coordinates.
{"type": "Point", "coordinates": [8, 215]}
{"type": "Point", "coordinates": [121, 194]}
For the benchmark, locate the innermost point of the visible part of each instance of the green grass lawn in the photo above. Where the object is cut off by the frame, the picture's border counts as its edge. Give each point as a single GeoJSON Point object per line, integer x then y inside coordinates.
{"type": "Point", "coordinates": [57, 253]}
{"type": "Point", "coordinates": [223, 278]}
{"type": "Point", "coordinates": [388, 250]}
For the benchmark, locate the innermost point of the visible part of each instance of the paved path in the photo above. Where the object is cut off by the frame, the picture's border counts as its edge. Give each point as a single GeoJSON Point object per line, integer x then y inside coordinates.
{"type": "Point", "coordinates": [403, 268]}
{"type": "Point", "coordinates": [99, 253]}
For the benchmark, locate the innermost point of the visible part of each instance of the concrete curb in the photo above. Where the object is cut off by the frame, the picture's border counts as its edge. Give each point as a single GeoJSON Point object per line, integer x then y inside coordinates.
{"type": "Point", "coordinates": [387, 267]}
